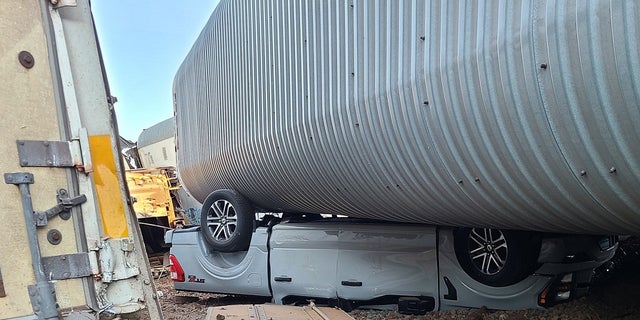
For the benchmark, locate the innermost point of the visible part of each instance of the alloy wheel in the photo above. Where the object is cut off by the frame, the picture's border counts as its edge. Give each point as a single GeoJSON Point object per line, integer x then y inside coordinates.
{"type": "Point", "coordinates": [488, 250]}
{"type": "Point", "coordinates": [222, 220]}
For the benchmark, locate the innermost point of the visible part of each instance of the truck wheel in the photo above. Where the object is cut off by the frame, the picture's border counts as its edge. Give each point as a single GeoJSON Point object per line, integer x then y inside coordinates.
{"type": "Point", "coordinates": [227, 221]}
{"type": "Point", "coordinates": [496, 257]}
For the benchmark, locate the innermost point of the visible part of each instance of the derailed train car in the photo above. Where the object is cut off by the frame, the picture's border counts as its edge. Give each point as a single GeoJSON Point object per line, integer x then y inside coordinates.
{"type": "Point", "coordinates": [520, 115]}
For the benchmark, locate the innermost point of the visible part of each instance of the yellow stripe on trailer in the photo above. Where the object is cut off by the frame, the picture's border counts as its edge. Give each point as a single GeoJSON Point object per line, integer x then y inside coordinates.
{"type": "Point", "coordinates": [107, 187]}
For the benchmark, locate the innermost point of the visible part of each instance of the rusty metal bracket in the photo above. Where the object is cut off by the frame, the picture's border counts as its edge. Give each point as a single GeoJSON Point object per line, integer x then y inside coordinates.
{"type": "Point", "coordinates": [63, 208]}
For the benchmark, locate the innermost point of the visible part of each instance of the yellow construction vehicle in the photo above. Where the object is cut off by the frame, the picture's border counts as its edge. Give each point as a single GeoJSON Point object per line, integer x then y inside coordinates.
{"type": "Point", "coordinates": [152, 191]}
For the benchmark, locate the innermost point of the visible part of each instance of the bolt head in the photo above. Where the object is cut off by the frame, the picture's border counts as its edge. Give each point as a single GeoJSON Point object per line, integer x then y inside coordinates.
{"type": "Point", "coordinates": [26, 59]}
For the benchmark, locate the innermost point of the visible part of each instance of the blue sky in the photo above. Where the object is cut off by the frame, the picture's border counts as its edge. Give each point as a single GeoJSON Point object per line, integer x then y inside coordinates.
{"type": "Point", "coordinates": [143, 43]}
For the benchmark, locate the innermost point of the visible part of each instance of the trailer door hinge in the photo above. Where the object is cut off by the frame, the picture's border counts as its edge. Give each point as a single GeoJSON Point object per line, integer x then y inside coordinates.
{"type": "Point", "coordinates": [67, 266]}
{"type": "Point", "coordinates": [39, 153]}
{"type": "Point", "coordinates": [59, 154]}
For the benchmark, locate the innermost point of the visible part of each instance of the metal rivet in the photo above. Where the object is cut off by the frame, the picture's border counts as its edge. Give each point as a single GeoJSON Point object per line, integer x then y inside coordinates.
{"type": "Point", "coordinates": [583, 173]}
{"type": "Point", "coordinates": [26, 59]}
{"type": "Point", "coordinates": [543, 66]}
{"type": "Point", "coordinates": [46, 143]}
{"type": "Point", "coordinates": [54, 236]}
{"type": "Point", "coordinates": [24, 162]}
{"type": "Point", "coordinates": [612, 170]}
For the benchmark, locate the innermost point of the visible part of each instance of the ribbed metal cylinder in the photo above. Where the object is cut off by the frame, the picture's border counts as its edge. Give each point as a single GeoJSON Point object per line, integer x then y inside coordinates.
{"type": "Point", "coordinates": [511, 114]}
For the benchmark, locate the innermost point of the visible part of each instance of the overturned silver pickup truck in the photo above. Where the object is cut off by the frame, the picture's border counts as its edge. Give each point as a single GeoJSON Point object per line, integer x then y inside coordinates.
{"type": "Point", "coordinates": [349, 263]}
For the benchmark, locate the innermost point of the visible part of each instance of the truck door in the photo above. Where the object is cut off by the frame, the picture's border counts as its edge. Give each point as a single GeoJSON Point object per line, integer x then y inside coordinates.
{"type": "Point", "coordinates": [70, 244]}
{"type": "Point", "coordinates": [378, 260]}
{"type": "Point", "coordinates": [303, 260]}
{"type": "Point", "coordinates": [353, 261]}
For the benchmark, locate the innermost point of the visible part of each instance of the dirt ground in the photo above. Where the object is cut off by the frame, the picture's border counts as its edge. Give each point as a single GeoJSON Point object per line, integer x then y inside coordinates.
{"type": "Point", "coordinates": [616, 297]}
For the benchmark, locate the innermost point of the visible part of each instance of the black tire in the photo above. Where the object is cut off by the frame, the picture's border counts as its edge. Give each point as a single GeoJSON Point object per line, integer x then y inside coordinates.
{"type": "Point", "coordinates": [497, 258]}
{"type": "Point", "coordinates": [227, 221]}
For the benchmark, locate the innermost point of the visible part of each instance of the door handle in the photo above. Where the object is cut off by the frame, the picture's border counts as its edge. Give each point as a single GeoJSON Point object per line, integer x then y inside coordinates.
{"type": "Point", "coordinates": [282, 279]}
{"type": "Point", "coordinates": [351, 283]}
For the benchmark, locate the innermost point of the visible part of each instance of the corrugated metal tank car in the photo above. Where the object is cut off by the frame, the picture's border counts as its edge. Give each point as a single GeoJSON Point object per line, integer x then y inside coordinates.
{"type": "Point", "coordinates": [521, 115]}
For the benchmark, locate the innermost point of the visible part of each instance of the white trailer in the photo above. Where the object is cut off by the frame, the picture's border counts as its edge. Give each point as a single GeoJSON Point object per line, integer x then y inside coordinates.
{"type": "Point", "coordinates": [71, 247]}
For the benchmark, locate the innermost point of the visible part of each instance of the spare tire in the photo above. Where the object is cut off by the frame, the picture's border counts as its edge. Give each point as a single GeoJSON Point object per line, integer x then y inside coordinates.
{"type": "Point", "coordinates": [227, 221]}
{"type": "Point", "coordinates": [497, 257]}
